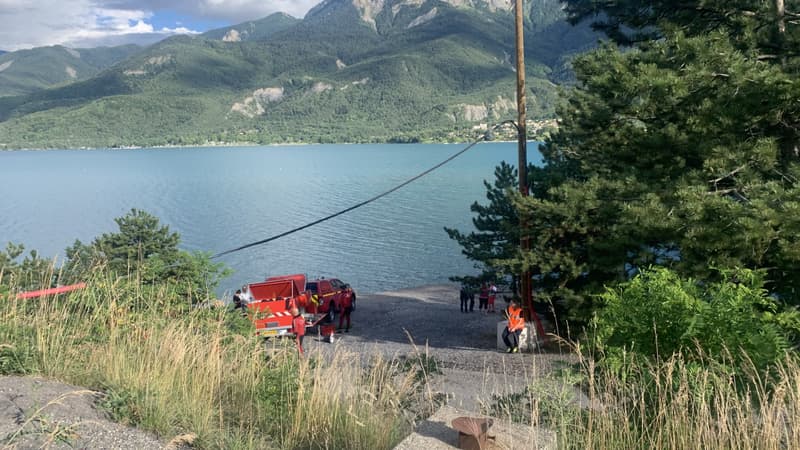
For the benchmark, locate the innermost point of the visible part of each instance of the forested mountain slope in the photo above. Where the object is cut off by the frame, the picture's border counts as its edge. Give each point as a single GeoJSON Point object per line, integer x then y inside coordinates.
{"type": "Point", "coordinates": [350, 71]}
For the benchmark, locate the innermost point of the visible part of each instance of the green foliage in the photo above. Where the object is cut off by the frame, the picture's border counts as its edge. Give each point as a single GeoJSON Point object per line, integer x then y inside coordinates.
{"type": "Point", "coordinates": [658, 314]}
{"type": "Point", "coordinates": [32, 272]}
{"type": "Point", "coordinates": [122, 405]}
{"type": "Point", "coordinates": [28, 71]}
{"type": "Point", "coordinates": [422, 365]}
{"type": "Point", "coordinates": [749, 23]}
{"type": "Point", "coordinates": [149, 251]}
{"type": "Point", "coordinates": [680, 152]}
{"type": "Point", "coordinates": [17, 359]}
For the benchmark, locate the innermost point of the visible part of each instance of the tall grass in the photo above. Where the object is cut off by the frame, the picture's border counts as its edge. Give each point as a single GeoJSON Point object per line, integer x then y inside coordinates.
{"type": "Point", "coordinates": [674, 404]}
{"type": "Point", "coordinates": [174, 369]}
{"type": "Point", "coordinates": [177, 370]}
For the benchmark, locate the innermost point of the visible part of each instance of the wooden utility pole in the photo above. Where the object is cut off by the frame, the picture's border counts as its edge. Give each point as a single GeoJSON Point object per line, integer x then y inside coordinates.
{"type": "Point", "coordinates": [522, 140]}
{"type": "Point", "coordinates": [522, 167]}
{"type": "Point", "coordinates": [522, 132]}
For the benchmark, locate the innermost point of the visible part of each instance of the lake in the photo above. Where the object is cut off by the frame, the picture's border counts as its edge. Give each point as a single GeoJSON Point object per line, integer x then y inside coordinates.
{"type": "Point", "coordinates": [221, 198]}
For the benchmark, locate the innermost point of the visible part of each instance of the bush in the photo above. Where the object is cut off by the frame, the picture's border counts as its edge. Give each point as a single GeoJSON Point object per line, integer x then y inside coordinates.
{"type": "Point", "coordinates": [149, 251]}
{"type": "Point", "coordinates": [657, 314]}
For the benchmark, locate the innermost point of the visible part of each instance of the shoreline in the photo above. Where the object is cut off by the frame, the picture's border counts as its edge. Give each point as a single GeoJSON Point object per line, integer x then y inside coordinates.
{"type": "Point", "coordinates": [254, 144]}
{"type": "Point", "coordinates": [241, 145]}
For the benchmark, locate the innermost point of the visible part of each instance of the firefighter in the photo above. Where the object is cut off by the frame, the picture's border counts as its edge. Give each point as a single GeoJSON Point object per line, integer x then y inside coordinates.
{"type": "Point", "coordinates": [298, 328]}
{"type": "Point", "coordinates": [483, 298]}
{"type": "Point", "coordinates": [345, 308]}
{"type": "Point", "coordinates": [326, 326]}
{"type": "Point", "coordinates": [514, 328]}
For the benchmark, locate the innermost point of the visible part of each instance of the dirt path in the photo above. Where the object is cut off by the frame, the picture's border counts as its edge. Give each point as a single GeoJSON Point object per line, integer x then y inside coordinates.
{"type": "Point", "coordinates": [464, 344]}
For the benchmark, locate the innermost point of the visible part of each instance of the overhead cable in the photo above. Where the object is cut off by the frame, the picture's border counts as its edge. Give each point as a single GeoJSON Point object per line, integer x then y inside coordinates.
{"type": "Point", "coordinates": [365, 202]}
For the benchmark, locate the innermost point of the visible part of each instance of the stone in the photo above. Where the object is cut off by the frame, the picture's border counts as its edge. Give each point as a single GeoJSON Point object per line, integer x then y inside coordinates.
{"type": "Point", "coordinates": [528, 341]}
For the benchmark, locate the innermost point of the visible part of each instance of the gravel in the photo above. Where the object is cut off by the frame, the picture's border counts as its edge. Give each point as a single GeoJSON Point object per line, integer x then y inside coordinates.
{"type": "Point", "coordinates": [427, 319]}
{"type": "Point", "coordinates": [37, 413]}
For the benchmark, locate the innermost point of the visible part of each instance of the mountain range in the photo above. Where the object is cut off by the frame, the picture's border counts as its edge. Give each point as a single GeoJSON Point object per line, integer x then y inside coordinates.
{"type": "Point", "coordinates": [349, 71]}
{"type": "Point", "coordinates": [28, 71]}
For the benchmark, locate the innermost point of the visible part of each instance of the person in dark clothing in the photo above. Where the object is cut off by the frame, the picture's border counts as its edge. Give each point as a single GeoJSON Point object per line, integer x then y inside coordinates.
{"type": "Point", "coordinates": [464, 296]}
{"type": "Point", "coordinates": [238, 300]}
{"type": "Point", "coordinates": [471, 293]}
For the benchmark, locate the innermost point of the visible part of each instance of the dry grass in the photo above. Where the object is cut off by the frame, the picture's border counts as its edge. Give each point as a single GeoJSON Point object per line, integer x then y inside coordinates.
{"type": "Point", "coordinates": [684, 406]}
{"type": "Point", "coordinates": [670, 405]}
{"type": "Point", "coordinates": [182, 371]}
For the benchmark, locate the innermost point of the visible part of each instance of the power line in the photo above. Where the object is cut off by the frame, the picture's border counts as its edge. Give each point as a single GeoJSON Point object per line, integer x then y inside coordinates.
{"type": "Point", "coordinates": [365, 202]}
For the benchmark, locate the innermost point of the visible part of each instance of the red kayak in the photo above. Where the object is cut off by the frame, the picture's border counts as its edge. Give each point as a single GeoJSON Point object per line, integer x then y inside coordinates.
{"type": "Point", "coordinates": [51, 291]}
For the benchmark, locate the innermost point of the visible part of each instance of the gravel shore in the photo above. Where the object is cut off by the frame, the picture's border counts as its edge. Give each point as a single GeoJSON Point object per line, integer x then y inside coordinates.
{"type": "Point", "coordinates": [427, 319]}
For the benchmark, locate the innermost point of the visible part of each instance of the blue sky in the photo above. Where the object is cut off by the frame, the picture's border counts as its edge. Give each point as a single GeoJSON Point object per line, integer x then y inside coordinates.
{"type": "Point", "coordinates": [92, 23]}
{"type": "Point", "coordinates": [173, 19]}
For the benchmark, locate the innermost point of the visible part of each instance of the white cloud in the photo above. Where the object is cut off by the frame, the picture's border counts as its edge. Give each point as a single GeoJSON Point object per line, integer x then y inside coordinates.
{"type": "Point", "coordinates": [232, 10]}
{"type": "Point", "coordinates": [88, 23]}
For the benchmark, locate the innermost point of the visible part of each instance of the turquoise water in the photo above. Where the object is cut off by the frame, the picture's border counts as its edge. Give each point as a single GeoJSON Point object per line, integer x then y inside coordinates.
{"type": "Point", "coordinates": [221, 198]}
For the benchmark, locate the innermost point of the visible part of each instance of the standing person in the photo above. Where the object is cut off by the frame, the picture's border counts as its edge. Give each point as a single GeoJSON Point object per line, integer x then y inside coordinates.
{"type": "Point", "coordinates": [298, 328]}
{"type": "Point", "coordinates": [345, 308]}
{"type": "Point", "coordinates": [471, 300]}
{"type": "Point", "coordinates": [492, 296]}
{"type": "Point", "coordinates": [464, 295]}
{"type": "Point", "coordinates": [514, 328]}
{"type": "Point", "coordinates": [483, 298]}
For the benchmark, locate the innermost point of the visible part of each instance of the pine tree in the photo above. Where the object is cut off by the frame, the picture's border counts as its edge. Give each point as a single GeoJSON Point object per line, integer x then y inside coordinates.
{"type": "Point", "coordinates": [680, 151]}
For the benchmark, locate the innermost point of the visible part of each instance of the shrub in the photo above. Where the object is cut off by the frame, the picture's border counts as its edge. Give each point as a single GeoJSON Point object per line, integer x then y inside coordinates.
{"type": "Point", "coordinates": [733, 322]}
{"type": "Point", "coordinates": [149, 251]}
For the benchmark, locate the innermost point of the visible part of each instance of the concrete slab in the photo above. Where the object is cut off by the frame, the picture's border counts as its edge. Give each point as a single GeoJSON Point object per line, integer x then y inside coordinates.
{"type": "Point", "coordinates": [528, 342]}
{"type": "Point", "coordinates": [436, 433]}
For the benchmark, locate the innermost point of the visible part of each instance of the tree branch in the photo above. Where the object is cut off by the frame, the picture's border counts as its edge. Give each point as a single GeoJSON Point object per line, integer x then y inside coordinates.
{"type": "Point", "coordinates": [729, 174]}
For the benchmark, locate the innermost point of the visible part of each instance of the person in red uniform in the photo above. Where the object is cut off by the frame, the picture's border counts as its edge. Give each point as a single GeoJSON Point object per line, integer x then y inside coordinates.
{"type": "Point", "coordinates": [346, 307]}
{"type": "Point", "coordinates": [298, 328]}
{"type": "Point", "coordinates": [492, 296]}
{"type": "Point", "coordinates": [483, 298]}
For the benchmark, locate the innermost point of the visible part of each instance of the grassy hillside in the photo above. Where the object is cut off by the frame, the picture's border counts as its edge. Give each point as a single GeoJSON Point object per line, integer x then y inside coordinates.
{"type": "Point", "coordinates": [27, 71]}
{"type": "Point", "coordinates": [409, 72]}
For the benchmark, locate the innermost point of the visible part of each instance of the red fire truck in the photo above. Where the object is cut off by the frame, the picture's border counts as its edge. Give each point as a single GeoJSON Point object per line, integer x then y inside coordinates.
{"type": "Point", "coordinates": [269, 302]}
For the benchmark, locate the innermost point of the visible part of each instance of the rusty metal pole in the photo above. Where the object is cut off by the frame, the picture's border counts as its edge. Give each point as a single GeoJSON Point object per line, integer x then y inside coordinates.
{"type": "Point", "coordinates": [522, 140]}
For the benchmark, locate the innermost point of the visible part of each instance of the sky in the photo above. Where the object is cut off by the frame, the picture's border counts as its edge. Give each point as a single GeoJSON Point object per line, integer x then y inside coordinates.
{"type": "Point", "coordinates": [92, 23]}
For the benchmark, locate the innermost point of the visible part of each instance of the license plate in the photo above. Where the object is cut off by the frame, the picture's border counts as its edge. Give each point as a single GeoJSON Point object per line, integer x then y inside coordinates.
{"type": "Point", "coordinates": [269, 333]}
